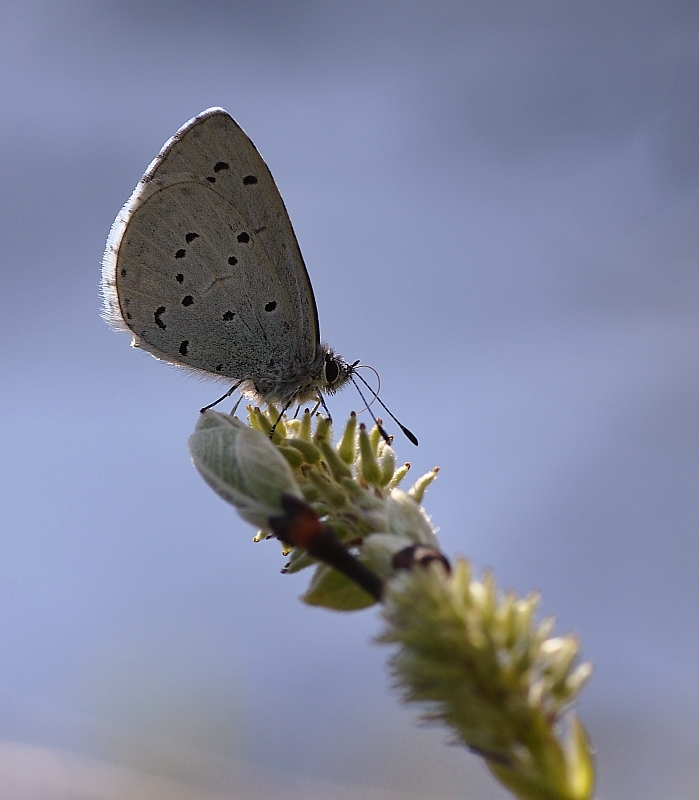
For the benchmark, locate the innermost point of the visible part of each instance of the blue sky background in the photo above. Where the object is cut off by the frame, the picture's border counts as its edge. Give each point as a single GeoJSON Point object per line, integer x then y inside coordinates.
{"type": "Point", "coordinates": [497, 204]}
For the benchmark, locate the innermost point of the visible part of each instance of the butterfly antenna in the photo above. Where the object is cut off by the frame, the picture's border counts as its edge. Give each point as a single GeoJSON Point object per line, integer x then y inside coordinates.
{"type": "Point", "coordinates": [408, 433]}
{"type": "Point", "coordinates": [376, 391]}
{"type": "Point", "coordinates": [383, 433]}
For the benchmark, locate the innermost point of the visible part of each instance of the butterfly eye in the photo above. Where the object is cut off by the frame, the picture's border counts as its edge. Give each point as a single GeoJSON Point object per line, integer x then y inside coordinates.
{"type": "Point", "coordinates": [332, 370]}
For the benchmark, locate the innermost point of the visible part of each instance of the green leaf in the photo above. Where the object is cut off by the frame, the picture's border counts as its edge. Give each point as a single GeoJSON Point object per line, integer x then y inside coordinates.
{"type": "Point", "coordinates": [330, 589]}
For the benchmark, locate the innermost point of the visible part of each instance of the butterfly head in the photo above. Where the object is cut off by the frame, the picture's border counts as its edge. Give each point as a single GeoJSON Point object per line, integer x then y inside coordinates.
{"type": "Point", "coordinates": [336, 371]}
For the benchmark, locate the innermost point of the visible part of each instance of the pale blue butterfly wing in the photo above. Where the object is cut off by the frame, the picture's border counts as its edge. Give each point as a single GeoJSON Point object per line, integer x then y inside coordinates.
{"type": "Point", "coordinates": [203, 268]}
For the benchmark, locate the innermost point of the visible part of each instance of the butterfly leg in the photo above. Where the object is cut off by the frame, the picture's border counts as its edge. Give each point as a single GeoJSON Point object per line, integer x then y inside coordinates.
{"type": "Point", "coordinates": [223, 397]}
{"type": "Point", "coordinates": [235, 406]}
{"type": "Point", "coordinates": [281, 414]}
{"type": "Point", "coordinates": [321, 402]}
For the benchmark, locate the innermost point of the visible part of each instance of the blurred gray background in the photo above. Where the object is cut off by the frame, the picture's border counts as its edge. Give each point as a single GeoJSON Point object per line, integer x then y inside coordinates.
{"type": "Point", "coordinates": [497, 203]}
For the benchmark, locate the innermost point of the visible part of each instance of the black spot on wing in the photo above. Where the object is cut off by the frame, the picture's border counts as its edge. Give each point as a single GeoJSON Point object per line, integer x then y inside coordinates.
{"type": "Point", "coordinates": [249, 180]}
{"type": "Point", "coordinates": [189, 238]}
{"type": "Point", "coordinates": [158, 317]}
{"type": "Point", "coordinates": [184, 345]}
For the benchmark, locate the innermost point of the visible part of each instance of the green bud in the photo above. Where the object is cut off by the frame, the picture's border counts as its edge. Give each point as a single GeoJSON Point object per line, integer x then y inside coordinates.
{"type": "Point", "coordinates": [337, 466]}
{"type": "Point", "coordinates": [242, 466]}
{"type": "Point", "coordinates": [477, 658]}
{"type": "Point", "coordinates": [378, 549]}
{"type": "Point", "coordinates": [405, 518]}
{"type": "Point", "coordinates": [370, 466]}
{"type": "Point", "coordinates": [418, 489]}
{"type": "Point", "coordinates": [398, 475]}
{"type": "Point", "coordinates": [387, 464]}
{"type": "Point", "coordinates": [304, 431]}
{"type": "Point", "coordinates": [309, 452]}
{"type": "Point", "coordinates": [347, 447]}
{"type": "Point", "coordinates": [324, 429]}
{"type": "Point", "coordinates": [330, 589]}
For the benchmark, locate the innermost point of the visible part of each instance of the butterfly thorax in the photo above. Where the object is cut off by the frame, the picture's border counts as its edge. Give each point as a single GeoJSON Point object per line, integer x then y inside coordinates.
{"type": "Point", "coordinates": [301, 383]}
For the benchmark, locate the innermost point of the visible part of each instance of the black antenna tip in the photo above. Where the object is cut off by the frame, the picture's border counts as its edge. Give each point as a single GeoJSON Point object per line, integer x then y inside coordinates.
{"type": "Point", "coordinates": [409, 434]}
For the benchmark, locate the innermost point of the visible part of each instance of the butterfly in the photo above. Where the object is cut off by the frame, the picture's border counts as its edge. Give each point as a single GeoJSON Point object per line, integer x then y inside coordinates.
{"type": "Point", "coordinates": [203, 269]}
